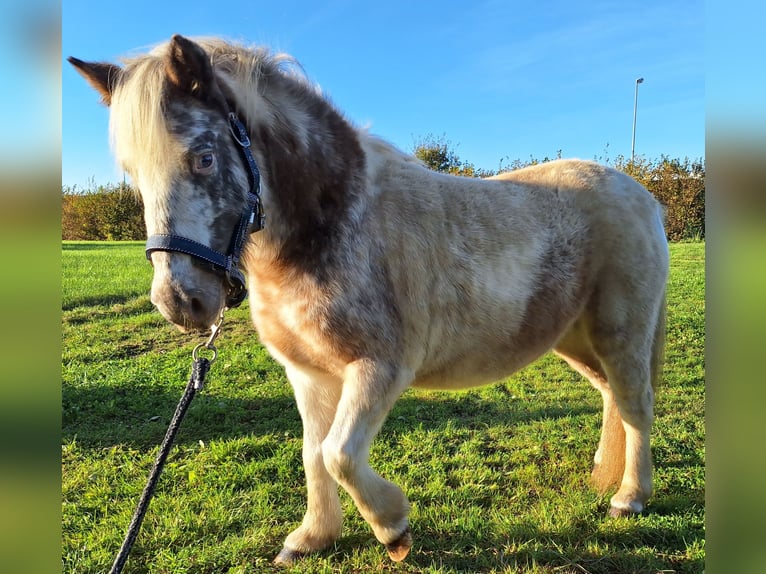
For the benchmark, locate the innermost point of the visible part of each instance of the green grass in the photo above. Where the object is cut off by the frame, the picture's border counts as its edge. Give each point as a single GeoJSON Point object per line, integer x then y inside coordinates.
{"type": "Point", "coordinates": [497, 477]}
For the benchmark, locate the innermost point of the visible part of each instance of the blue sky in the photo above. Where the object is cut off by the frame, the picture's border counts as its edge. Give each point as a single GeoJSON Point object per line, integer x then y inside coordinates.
{"type": "Point", "coordinates": [501, 80]}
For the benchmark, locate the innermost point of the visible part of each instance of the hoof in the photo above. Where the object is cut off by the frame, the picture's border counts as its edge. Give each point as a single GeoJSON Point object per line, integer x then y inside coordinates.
{"type": "Point", "coordinates": [616, 512]}
{"type": "Point", "coordinates": [399, 548]}
{"type": "Point", "coordinates": [288, 557]}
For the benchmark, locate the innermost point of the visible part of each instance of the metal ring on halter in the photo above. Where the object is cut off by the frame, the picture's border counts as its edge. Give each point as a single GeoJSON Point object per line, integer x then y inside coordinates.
{"type": "Point", "coordinates": [196, 352]}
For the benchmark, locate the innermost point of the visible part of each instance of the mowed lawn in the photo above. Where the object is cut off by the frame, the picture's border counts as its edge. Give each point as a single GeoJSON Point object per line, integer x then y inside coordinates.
{"type": "Point", "coordinates": [498, 477]}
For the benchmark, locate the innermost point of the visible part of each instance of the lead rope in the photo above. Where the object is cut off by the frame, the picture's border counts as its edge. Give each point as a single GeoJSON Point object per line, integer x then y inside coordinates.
{"type": "Point", "coordinates": [200, 367]}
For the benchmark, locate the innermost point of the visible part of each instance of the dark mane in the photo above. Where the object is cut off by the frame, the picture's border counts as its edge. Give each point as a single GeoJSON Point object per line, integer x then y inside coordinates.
{"type": "Point", "coordinates": [309, 154]}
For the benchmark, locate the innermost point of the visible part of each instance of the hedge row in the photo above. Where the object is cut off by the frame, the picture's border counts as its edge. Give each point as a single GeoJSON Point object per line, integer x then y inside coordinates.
{"type": "Point", "coordinates": [115, 212]}
{"type": "Point", "coordinates": [104, 213]}
{"type": "Point", "coordinates": [679, 185]}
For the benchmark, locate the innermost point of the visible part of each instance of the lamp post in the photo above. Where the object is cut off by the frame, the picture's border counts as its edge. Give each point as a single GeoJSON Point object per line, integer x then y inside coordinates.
{"type": "Point", "coordinates": [635, 108]}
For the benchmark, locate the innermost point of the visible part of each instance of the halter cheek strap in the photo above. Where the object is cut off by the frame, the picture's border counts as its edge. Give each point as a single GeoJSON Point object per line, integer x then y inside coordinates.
{"type": "Point", "coordinates": [251, 221]}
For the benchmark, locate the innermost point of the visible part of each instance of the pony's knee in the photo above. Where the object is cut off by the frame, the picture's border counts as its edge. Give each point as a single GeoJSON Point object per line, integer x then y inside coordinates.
{"type": "Point", "coordinates": [637, 407]}
{"type": "Point", "coordinates": [632, 391]}
{"type": "Point", "coordinates": [339, 461]}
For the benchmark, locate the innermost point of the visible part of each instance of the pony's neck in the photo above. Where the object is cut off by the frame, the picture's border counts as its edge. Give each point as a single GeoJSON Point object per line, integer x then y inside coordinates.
{"type": "Point", "coordinates": [312, 168]}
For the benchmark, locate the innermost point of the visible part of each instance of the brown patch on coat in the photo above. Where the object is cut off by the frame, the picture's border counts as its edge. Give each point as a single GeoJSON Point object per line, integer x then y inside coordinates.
{"type": "Point", "coordinates": [564, 282]}
{"type": "Point", "coordinates": [314, 184]}
{"type": "Point", "coordinates": [309, 320]}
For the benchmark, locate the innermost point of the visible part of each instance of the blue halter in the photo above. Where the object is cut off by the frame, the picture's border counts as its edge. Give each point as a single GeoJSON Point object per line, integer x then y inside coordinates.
{"type": "Point", "coordinates": [251, 221]}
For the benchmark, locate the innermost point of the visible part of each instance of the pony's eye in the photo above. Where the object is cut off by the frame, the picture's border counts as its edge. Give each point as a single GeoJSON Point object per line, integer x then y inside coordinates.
{"type": "Point", "coordinates": [204, 163]}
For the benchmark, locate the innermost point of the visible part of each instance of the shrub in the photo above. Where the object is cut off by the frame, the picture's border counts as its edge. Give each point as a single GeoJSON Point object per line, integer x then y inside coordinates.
{"type": "Point", "coordinates": [115, 212]}
{"type": "Point", "coordinates": [679, 185]}
{"type": "Point", "coordinates": [103, 213]}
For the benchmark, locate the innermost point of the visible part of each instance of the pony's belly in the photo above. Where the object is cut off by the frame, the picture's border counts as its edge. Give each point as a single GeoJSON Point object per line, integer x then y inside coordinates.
{"type": "Point", "coordinates": [476, 370]}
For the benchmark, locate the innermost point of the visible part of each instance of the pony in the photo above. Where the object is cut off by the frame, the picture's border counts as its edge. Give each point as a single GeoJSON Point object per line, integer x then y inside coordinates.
{"type": "Point", "coordinates": [373, 273]}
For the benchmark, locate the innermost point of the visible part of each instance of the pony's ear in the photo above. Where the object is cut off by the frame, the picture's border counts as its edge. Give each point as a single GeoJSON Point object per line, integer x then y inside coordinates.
{"type": "Point", "coordinates": [101, 75]}
{"type": "Point", "coordinates": [189, 69]}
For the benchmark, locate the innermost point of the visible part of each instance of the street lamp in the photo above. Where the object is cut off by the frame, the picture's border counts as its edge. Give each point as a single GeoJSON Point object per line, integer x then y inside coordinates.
{"type": "Point", "coordinates": [635, 108]}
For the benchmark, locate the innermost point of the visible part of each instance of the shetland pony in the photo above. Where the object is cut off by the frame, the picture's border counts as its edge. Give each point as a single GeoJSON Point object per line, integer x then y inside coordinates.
{"type": "Point", "coordinates": [374, 274]}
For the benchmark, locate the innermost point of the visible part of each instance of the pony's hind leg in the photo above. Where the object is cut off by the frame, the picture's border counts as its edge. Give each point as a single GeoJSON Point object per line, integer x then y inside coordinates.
{"type": "Point", "coordinates": [609, 460]}
{"type": "Point", "coordinates": [635, 399]}
{"type": "Point", "coordinates": [634, 378]}
{"type": "Point", "coordinates": [621, 363]}
{"type": "Point", "coordinates": [317, 399]}
{"type": "Point", "coordinates": [628, 351]}
{"type": "Point", "coordinates": [370, 390]}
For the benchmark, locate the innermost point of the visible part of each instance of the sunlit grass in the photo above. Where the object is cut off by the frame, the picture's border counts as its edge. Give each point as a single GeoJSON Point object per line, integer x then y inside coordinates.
{"type": "Point", "coordinates": [497, 477]}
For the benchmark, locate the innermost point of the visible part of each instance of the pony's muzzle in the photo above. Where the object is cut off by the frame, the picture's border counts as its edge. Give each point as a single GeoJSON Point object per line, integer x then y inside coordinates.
{"type": "Point", "coordinates": [188, 297]}
{"type": "Point", "coordinates": [189, 311]}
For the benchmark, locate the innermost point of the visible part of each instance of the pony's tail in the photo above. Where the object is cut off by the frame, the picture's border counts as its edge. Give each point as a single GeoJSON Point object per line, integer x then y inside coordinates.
{"type": "Point", "coordinates": [607, 472]}
{"type": "Point", "coordinates": [658, 345]}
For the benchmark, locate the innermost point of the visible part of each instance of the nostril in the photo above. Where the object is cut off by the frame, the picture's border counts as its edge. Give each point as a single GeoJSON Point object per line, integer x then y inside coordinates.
{"type": "Point", "coordinates": [196, 306]}
{"type": "Point", "coordinates": [191, 308]}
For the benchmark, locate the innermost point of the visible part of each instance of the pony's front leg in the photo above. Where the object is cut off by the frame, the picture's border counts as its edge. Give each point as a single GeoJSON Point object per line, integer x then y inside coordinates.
{"type": "Point", "coordinates": [317, 397]}
{"type": "Point", "coordinates": [370, 390]}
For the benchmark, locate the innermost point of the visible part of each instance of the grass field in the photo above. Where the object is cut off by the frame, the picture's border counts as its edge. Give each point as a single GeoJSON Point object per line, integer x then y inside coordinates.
{"type": "Point", "coordinates": [497, 477]}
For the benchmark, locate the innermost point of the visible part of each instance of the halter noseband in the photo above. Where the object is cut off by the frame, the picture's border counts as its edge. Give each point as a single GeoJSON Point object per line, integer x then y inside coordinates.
{"type": "Point", "coordinates": [252, 220]}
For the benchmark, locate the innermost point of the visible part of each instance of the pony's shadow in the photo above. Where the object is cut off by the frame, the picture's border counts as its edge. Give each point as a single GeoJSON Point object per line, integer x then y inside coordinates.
{"type": "Point", "coordinates": [473, 411]}
{"type": "Point", "coordinates": [509, 551]}
{"type": "Point", "coordinates": [104, 300]}
{"type": "Point", "coordinates": [137, 416]}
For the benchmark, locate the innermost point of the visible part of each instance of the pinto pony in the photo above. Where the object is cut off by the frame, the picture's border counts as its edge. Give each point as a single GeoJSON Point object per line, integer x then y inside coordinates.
{"type": "Point", "coordinates": [373, 274]}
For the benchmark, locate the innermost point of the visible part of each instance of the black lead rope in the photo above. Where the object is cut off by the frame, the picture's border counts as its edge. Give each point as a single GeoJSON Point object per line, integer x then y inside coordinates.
{"type": "Point", "coordinates": [251, 220]}
{"type": "Point", "coordinates": [200, 367]}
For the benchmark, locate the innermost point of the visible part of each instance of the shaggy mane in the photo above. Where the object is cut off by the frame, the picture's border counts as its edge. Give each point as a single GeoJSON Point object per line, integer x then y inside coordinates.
{"type": "Point", "coordinates": [138, 124]}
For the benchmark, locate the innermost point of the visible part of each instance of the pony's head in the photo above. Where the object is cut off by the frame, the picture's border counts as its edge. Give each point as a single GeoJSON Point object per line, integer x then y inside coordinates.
{"type": "Point", "coordinates": [170, 131]}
